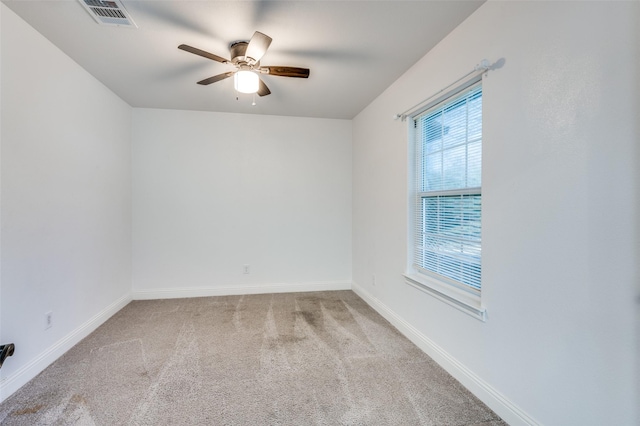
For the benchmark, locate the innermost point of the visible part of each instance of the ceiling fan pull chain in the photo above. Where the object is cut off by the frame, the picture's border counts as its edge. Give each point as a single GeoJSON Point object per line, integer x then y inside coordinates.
{"type": "Point", "coordinates": [254, 100]}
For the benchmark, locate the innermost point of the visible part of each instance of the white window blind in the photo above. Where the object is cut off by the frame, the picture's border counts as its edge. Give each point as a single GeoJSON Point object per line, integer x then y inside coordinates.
{"type": "Point", "coordinates": [448, 147]}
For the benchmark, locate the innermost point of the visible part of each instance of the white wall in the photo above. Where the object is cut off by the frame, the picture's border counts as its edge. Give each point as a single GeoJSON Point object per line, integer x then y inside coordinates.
{"type": "Point", "coordinates": [560, 211]}
{"type": "Point", "coordinates": [215, 191]}
{"type": "Point", "coordinates": [66, 201]}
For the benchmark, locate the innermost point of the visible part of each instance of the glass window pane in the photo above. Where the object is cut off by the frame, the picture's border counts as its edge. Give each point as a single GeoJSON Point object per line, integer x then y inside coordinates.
{"type": "Point", "coordinates": [432, 131]}
{"type": "Point", "coordinates": [432, 172]}
{"type": "Point", "coordinates": [454, 164]}
{"type": "Point", "coordinates": [474, 164]}
{"type": "Point", "coordinates": [456, 124]}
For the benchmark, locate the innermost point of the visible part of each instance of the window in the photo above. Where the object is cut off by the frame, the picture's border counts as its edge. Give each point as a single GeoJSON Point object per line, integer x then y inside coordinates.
{"type": "Point", "coordinates": [447, 195]}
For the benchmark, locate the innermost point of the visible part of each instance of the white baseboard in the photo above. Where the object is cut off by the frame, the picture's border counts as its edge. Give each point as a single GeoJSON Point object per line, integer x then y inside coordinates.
{"type": "Point", "coordinates": [177, 293]}
{"type": "Point", "coordinates": [509, 412]}
{"type": "Point", "coordinates": [15, 381]}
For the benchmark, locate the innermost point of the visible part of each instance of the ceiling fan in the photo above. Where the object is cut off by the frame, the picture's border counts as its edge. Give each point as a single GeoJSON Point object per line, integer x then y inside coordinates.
{"type": "Point", "coordinates": [245, 56]}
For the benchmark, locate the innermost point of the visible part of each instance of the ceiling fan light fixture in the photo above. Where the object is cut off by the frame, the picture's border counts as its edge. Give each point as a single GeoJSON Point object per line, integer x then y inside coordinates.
{"type": "Point", "coordinates": [246, 81]}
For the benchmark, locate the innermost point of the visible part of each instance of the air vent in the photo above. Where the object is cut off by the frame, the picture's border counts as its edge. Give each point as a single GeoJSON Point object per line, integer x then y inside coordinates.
{"type": "Point", "coordinates": [108, 12]}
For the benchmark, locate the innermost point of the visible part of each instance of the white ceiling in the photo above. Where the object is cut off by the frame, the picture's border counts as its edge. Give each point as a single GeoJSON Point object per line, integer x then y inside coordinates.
{"type": "Point", "coordinates": [355, 49]}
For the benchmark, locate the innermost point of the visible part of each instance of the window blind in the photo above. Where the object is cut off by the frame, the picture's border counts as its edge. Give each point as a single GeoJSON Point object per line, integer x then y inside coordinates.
{"type": "Point", "coordinates": [448, 146]}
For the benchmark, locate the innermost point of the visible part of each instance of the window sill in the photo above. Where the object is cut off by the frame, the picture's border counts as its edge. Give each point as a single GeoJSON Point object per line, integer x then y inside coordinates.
{"type": "Point", "coordinates": [459, 299]}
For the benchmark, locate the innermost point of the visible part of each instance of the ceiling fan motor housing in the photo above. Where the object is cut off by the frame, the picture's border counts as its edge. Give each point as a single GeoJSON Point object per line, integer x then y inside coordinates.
{"type": "Point", "coordinates": [238, 50]}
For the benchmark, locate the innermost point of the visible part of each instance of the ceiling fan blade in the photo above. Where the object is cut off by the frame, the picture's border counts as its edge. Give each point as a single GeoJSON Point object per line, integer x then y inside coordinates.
{"type": "Point", "coordinates": [258, 46]}
{"type": "Point", "coordinates": [263, 90]}
{"type": "Point", "coordinates": [202, 53]}
{"type": "Point", "coordinates": [288, 71]}
{"type": "Point", "coordinates": [216, 78]}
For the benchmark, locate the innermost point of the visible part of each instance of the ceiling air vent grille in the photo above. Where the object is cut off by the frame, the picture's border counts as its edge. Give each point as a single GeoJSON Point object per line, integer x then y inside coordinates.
{"type": "Point", "coordinates": [108, 12]}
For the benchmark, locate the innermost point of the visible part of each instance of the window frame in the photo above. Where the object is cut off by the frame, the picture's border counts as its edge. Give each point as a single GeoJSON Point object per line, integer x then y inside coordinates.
{"type": "Point", "coordinates": [457, 294]}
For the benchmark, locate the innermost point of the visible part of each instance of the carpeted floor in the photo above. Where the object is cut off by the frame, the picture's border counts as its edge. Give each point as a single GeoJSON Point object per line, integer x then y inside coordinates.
{"type": "Point", "coordinates": [323, 358]}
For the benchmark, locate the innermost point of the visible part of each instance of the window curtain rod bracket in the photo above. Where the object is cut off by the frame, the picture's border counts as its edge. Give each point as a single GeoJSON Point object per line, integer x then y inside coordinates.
{"type": "Point", "coordinates": [482, 67]}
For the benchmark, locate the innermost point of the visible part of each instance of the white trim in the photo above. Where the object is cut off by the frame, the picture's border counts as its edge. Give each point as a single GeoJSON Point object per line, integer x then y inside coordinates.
{"type": "Point", "coordinates": [445, 192]}
{"type": "Point", "coordinates": [182, 292]}
{"type": "Point", "coordinates": [459, 299]}
{"type": "Point", "coordinates": [15, 381]}
{"type": "Point", "coordinates": [506, 409]}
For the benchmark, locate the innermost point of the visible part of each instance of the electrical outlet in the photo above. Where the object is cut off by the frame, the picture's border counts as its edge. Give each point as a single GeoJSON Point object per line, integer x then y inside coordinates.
{"type": "Point", "coordinates": [48, 320]}
{"type": "Point", "coordinates": [245, 268]}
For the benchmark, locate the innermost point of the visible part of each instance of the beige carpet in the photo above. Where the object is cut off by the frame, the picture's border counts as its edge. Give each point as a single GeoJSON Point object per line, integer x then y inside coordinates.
{"type": "Point", "coordinates": [321, 358]}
